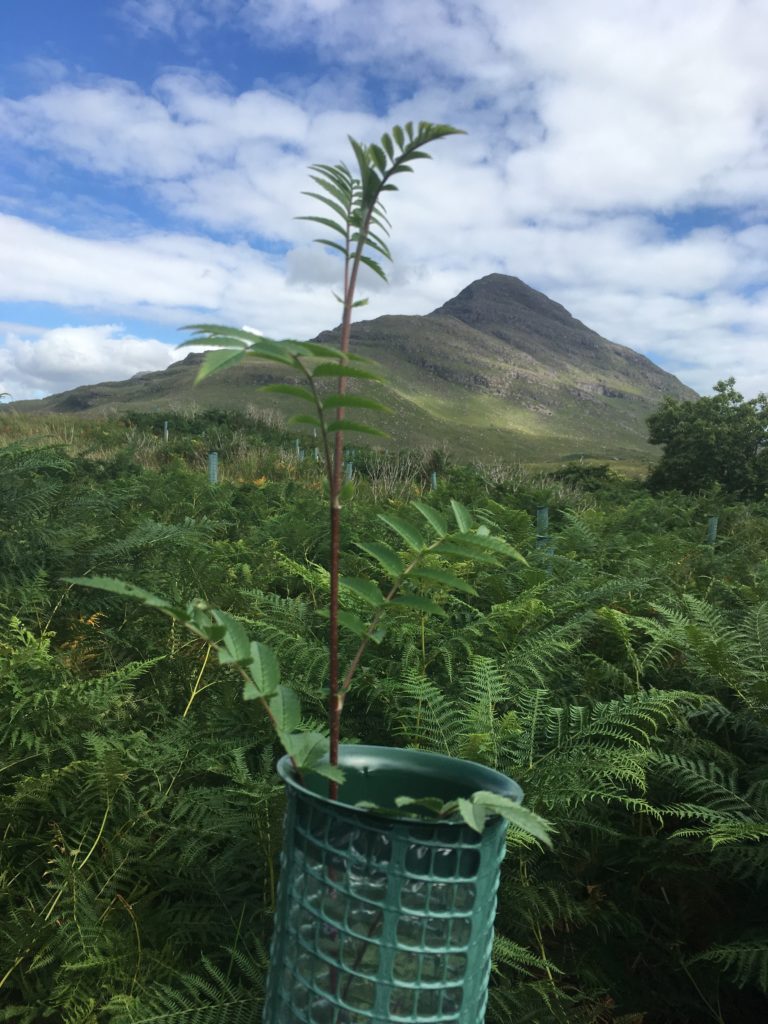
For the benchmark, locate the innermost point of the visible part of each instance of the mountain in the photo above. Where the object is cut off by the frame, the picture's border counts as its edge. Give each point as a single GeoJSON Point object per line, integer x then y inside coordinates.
{"type": "Point", "coordinates": [499, 370]}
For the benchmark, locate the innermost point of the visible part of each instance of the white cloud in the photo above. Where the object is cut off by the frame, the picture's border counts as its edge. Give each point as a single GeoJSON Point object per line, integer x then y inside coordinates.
{"type": "Point", "coordinates": [189, 123]}
{"type": "Point", "coordinates": [171, 278]}
{"type": "Point", "coordinates": [595, 107]}
{"type": "Point", "coordinates": [43, 71]}
{"type": "Point", "coordinates": [45, 362]}
{"type": "Point", "coordinates": [590, 126]}
{"type": "Point", "coordinates": [176, 17]}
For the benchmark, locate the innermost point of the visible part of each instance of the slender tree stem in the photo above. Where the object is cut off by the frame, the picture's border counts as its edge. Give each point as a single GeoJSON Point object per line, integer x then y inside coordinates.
{"type": "Point", "coordinates": [335, 700]}
{"type": "Point", "coordinates": [333, 646]}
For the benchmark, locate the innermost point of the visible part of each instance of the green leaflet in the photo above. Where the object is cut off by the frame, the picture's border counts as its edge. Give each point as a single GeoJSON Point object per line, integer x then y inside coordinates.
{"type": "Point", "coordinates": [375, 266]}
{"type": "Point", "coordinates": [305, 419]}
{"type": "Point", "coordinates": [457, 547]}
{"type": "Point", "coordinates": [430, 803]}
{"type": "Point", "coordinates": [224, 332]}
{"type": "Point", "coordinates": [309, 751]}
{"type": "Point", "coordinates": [435, 519]}
{"type": "Point", "coordinates": [365, 589]}
{"type": "Point", "coordinates": [343, 370]}
{"type": "Point", "coordinates": [326, 352]}
{"type": "Point", "coordinates": [487, 543]}
{"type": "Point", "coordinates": [349, 620]}
{"type": "Point", "coordinates": [473, 814]}
{"type": "Point", "coordinates": [237, 644]}
{"type": "Point", "coordinates": [264, 673]}
{"type": "Point", "coordinates": [326, 222]}
{"type": "Point", "coordinates": [286, 350]}
{"type": "Point", "coordinates": [483, 805]}
{"type": "Point", "coordinates": [351, 425]}
{"type": "Point", "coordinates": [406, 530]}
{"type": "Point", "coordinates": [247, 343]}
{"type": "Point", "coordinates": [332, 245]}
{"type": "Point", "coordinates": [422, 604]}
{"type": "Point", "coordinates": [517, 815]}
{"type": "Point", "coordinates": [462, 516]}
{"type": "Point", "coordinates": [215, 361]}
{"type": "Point", "coordinates": [448, 579]}
{"type": "Point", "coordinates": [328, 771]}
{"type": "Point", "coordinates": [114, 586]}
{"type": "Point", "coordinates": [286, 711]}
{"type": "Point", "coordinates": [339, 210]}
{"type": "Point", "coordinates": [379, 157]}
{"type": "Point", "coordinates": [290, 389]}
{"type": "Point", "coordinates": [386, 556]}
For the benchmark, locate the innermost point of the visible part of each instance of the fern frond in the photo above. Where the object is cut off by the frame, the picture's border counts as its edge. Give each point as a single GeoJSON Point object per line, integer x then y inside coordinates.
{"type": "Point", "coordinates": [746, 962]}
{"type": "Point", "coordinates": [427, 719]}
{"type": "Point", "coordinates": [512, 954]}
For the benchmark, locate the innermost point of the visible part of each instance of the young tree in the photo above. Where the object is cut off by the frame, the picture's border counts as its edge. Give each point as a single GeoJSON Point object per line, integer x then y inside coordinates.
{"type": "Point", "coordinates": [721, 439]}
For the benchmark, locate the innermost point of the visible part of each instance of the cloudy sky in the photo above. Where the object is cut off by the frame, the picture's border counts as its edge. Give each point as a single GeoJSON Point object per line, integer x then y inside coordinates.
{"type": "Point", "coordinates": [154, 154]}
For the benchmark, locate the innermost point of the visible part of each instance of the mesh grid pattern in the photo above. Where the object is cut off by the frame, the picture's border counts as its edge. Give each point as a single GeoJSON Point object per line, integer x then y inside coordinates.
{"type": "Point", "coordinates": [381, 921]}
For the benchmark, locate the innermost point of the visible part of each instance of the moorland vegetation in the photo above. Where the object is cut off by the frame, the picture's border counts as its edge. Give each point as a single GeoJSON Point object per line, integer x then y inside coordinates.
{"type": "Point", "coordinates": [621, 676]}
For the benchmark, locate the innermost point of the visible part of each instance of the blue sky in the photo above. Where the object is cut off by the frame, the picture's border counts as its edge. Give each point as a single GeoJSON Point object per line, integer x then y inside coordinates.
{"type": "Point", "coordinates": [155, 152]}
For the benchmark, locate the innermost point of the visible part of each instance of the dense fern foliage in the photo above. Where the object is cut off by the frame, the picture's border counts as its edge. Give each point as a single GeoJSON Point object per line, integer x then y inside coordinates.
{"type": "Point", "coordinates": [621, 676]}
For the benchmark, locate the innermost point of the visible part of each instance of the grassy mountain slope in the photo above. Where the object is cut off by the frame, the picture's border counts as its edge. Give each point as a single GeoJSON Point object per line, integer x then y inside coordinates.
{"type": "Point", "coordinates": [498, 371]}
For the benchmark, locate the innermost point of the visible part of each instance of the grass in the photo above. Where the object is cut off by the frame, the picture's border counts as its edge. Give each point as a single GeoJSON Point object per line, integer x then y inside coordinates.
{"type": "Point", "coordinates": [256, 451]}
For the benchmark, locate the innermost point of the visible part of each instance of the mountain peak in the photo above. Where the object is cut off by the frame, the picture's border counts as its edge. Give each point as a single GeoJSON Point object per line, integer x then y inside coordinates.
{"type": "Point", "coordinates": [499, 369]}
{"type": "Point", "coordinates": [500, 299]}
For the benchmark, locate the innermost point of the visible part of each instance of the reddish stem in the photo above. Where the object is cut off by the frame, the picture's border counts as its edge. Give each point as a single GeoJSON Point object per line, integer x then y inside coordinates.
{"type": "Point", "coordinates": [334, 699]}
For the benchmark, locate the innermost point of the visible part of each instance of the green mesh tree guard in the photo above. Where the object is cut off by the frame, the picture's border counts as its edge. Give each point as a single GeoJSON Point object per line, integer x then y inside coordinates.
{"type": "Point", "coordinates": [381, 919]}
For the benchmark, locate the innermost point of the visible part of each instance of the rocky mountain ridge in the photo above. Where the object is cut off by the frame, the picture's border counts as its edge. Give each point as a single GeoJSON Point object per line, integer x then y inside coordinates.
{"type": "Point", "coordinates": [500, 368]}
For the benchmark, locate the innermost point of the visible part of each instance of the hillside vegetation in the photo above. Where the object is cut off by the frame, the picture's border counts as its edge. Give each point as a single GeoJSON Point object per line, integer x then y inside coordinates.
{"type": "Point", "coordinates": [499, 371]}
{"type": "Point", "coordinates": [620, 676]}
